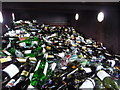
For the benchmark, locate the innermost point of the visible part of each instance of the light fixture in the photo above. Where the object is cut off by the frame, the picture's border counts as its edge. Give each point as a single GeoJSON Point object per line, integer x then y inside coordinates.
{"type": "Point", "coordinates": [76, 16]}
{"type": "Point", "coordinates": [1, 17]}
{"type": "Point", "coordinates": [13, 16]}
{"type": "Point", "coordinates": [100, 17]}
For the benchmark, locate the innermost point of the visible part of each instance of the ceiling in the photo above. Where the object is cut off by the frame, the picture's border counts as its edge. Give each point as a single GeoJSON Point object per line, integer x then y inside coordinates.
{"type": "Point", "coordinates": [60, 0]}
{"type": "Point", "coordinates": [59, 6]}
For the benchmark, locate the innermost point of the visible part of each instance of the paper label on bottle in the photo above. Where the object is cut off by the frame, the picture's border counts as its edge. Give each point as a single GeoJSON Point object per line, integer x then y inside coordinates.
{"type": "Point", "coordinates": [43, 50]}
{"type": "Point", "coordinates": [23, 44]}
{"type": "Point", "coordinates": [33, 33]}
{"type": "Point", "coordinates": [89, 83]}
{"type": "Point", "coordinates": [77, 41]}
{"type": "Point", "coordinates": [32, 59]}
{"type": "Point", "coordinates": [35, 42]}
{"type": "Point", "coordinates": [10, 83]}
{"type": "Point", "coordinates": [113, 62]}
{"type": "Point", "coordinates": [53, 66]}
{"type": "Point", "coordinates": [27, 35]}
{"type": "Point", "coordinates": [64, 67]}
{"type": "Point", "coordinates": [31, 87]}
{"type": "Point", "coordinates": [21, 60]}
{"type": "Point", "coordinates": [22, 38]}
{"type": "Point", "coordinates": [50, 56]}
{"type": "Point", "coordinates": [25, 73]}
{"type": "Point", "coordinates": [2, 60]}
{"type": "Point", "coordinates": [83, 47]}
{"type": "Point", "coordinates": [48, 48]}
{"type": "Point", "coordinates": [102, 74]}
{"type": "Point", "coordinates": [6, 52]}
{"type": "Point", "coordinates": [27, 51]}
{"type": "Point", "coordinates": [11, 70]}
{"type": "Point", "coordinates": [99, 67]}
{"type": "Point", "coordinates": [88, 70]}
{"type": "Point", "coordinates": [45, 69]}
{"type": "Point", "coordinates": [62, 55]}
{"type": "Point", "coordinates": [17, 31]}
{"type": "Point", "coordinates": [53, 35]}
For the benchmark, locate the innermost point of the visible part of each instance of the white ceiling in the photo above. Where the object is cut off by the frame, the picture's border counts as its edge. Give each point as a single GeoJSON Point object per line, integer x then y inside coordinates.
{"type": "Point", "coordinates": [60, 0]}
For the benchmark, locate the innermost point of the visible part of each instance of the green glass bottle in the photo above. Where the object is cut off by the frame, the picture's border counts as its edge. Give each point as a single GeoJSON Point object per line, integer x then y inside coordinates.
{"type": "Point", "coordinates": [40, 73]}
{"type": "Point", "coordinates": [107, 81]}
{"type": "Point", "coordinates": [98, 84]}
{"type": "Point", "coordinates": [43, 73]}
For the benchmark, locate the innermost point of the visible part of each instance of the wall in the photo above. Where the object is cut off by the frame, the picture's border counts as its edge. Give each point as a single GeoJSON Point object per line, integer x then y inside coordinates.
{"type": "Point", "coordinates": [107, 32]}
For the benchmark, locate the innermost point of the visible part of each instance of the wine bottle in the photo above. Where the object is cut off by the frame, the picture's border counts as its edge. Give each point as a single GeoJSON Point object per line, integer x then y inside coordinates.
{"type": "Point", "coordinates": [11, 70]}
{"type": "Point", "coordinates": [40, 73]}
{"type": "Point", "coordinates": [107, 80]}
{"type": "Point", "coordinates": [98, 84]}
{"type": "Point", "coordinates": [43, 73]}
{"type": "Point", "coordinates": [88, 84]}
{"type": "Point", "coordinates": [24, 77]}
{"type": "Point", "coordinates": [11, 82]}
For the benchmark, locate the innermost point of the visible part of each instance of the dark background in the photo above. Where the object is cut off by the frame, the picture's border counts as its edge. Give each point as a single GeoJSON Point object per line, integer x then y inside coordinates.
{"type": "Point", "coordinates": [62, 13]}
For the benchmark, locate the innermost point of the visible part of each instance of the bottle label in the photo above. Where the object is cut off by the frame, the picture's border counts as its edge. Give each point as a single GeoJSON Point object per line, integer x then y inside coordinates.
{"type": "Point", "coordinates": [35, 42]}
{"type": "Point", "coordinates": [31, 87]}
{"type": "Point", "coordinates": [113, 62]}
{"type": "Point", "coordinates": [83, 47]}
{"type": "Point", "coordinates": [25, 73]}
{"type": "Point", "coordinates": [10, 83]}
{"type": "Point", "coordinates": [48, 48]}
{"type": "Point", "coordinates": [50, 56]}
{"type": "Point", "coordinates": [60, 44]}
{"type": "Point", "coordinates": [11, 70]}
{"type": "Point", "coordinates": [62, 55]}
{"type": "Point", "coordinates": [89, 83]}
{"type": "Point", "coordinates": [102, 74]}
{"type": "Point", "coordinates": [27, 51]}
{"type": "Point", "coordinates": [99, 67]}
{"type": "Point", "coordinates": [22, 38]}
{"type": "Point", "coordinates": [17, 31]}
{"type": "Point", "coordinates": [22, 44]}
{"type": "Point", "coordinates": [27, 35]}
{"type": "Point", "coordinates": [6, 52]}
{"type": "Point", "coordinates": [21, 60]}
{"type": "Point", "coordinates": [45, 69]}
{"type": "Point", "coordinates": [77, 41]}
{"type": "Point", "coordinates": [2, 60]}
{"type": "Point", "coordinates": [53, 66]}
{"type": "Point", "coordinates": [32, 59]}
{"type": "Point", "coordinates": [88, 70]}
{"type": "Point", "coordinates": [53, 35]}
{"type": "Point", "coordinates": [43, 50]}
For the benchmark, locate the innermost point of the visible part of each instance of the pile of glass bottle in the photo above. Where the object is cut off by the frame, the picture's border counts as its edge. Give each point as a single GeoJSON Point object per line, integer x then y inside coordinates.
{"type": "Point", "coordinates": [41, 56]}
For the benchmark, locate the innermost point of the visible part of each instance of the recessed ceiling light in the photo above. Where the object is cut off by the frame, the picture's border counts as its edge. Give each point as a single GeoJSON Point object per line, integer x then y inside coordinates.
{"type": "Point", "coordinates": [13, 16]}
{"type": "Point", "coordinates": [100, 17]}
{"type": "Point", "coordinates": [76, 16]}
{"type": "Point", "coordinates": [1, 17]}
